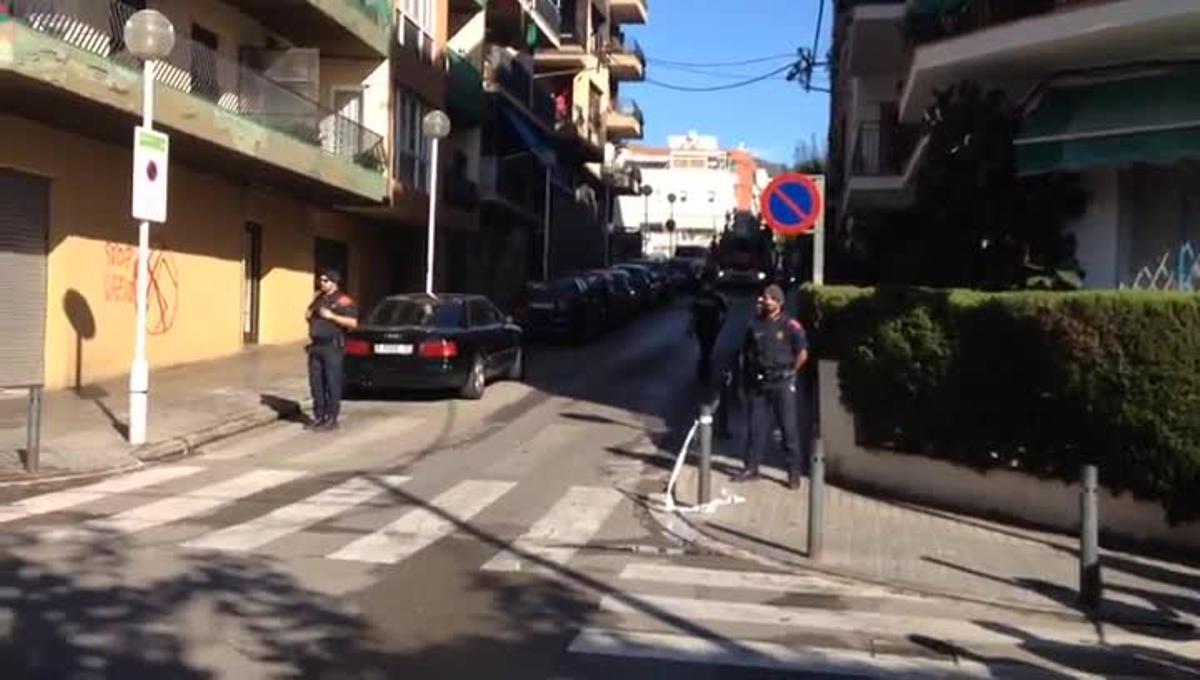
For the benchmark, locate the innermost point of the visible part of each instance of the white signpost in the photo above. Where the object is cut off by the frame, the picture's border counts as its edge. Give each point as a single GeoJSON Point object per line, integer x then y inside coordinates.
{"type": "Point", "coordinates": [150, 151]}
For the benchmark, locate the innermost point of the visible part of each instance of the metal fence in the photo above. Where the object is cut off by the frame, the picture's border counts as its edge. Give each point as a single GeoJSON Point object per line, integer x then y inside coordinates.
{"type": "Point", "coordinates": [97, 26]}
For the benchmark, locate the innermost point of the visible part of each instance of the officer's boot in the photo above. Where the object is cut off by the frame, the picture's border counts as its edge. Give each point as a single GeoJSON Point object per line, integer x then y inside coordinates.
{"type": "Point", "coordinates": [794, 477]}
{"type": "Point", "coordinates": [750, 473]}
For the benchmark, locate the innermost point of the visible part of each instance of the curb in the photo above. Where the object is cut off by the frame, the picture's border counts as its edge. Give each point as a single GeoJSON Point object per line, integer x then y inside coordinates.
{"type": "Point", "coordinates": [173, 448]}
{"type": "Point", "coordinates": [695, 532]}
{"type": "Point", "coordinates": [187, 445]}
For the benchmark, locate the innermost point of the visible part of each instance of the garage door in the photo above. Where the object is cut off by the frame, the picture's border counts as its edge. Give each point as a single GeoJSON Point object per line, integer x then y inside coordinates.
{"type": "Point", "coordinates": [24, 228]}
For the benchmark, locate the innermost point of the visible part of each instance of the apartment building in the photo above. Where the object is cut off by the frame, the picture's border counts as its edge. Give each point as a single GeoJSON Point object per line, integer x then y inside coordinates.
{"type": "Point", "coordinates": [537, 143]}
{"type": "Point", "coordinates": [278, 119]}
{"type": "Point", "coordinates": [1107, 89]}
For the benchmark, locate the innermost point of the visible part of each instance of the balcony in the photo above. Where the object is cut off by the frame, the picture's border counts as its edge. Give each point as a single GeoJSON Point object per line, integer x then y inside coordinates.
{"type": "Point", "coordinates": [1016, 44]}
{"type": "Point", "coordinates": [223, 111]}
{"type": "Point", "coordinates": [625, 121]}
{"type": "Point", "coordinates": [882, 163]}
{"type": "Point", "coordinates": [875, 42]}
{"type": "Point", "coordinates": [629, 11]}
{"type": "Point", "coordinates": [508, 21]}
{"type": "Point", "coordinates": [569, 58]}
{"type": "Point", "coordinates": [359, 29]}
{"type": "Point", "coordinates": [517, 183]}
{"type": "Point", "coordinates": [464, 91]}
{"type": "Point", "coordinates": [459, 191]}
{"type": "Point", "coordinates": [505, 74]}
{"type": "Point", "coordinates": [626, 58]}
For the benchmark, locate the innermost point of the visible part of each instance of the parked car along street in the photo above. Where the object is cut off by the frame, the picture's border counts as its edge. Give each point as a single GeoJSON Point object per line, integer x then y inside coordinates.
{"type": "Point", "coordinates": [421, 341]}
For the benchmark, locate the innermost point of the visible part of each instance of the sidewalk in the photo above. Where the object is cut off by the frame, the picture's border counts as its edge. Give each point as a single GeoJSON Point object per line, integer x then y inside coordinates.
{"type": "Point", "coordinates": [84, 431]}
{"type": "Point", "coordinates": [931, 551]}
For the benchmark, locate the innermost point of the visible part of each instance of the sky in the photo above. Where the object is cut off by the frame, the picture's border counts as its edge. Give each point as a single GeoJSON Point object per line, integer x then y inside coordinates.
{"type": "Point", "coordinates": [770, 117]}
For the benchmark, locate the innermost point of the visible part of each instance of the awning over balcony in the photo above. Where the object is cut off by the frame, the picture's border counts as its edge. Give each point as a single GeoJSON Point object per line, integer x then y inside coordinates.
{"type": "Point", "coordinates": [1147, 119]}
{"type": "Point", "coordinates": [534, 140]}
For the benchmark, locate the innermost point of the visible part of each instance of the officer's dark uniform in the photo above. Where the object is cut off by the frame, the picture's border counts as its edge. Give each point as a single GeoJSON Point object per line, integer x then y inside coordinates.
{"type": "Point", "coordinates": [708, 314]}
{"type": "Point", "coordinates": [769, 359]}
{"type": "Point", "coordinates": [326, 351]}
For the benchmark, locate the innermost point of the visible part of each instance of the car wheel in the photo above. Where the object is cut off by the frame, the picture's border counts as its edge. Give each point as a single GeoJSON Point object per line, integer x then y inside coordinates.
{"type": "Point", "coordinates": [516, 371]}
{"type": "Point", "coordinates": [476, 381]}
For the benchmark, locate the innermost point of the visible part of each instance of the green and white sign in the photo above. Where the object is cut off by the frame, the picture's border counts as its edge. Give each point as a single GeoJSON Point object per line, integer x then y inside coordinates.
{"type": "Point", "coordinates": [150, 151]}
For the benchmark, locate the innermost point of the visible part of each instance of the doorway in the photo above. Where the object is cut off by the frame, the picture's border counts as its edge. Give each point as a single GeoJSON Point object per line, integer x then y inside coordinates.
{"type": "Point", "coordinates": [251, 281]}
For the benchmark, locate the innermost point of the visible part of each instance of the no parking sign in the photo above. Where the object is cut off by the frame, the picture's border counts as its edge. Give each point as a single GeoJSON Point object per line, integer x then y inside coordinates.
{"type": "Point", "coordinates": [794, 204]}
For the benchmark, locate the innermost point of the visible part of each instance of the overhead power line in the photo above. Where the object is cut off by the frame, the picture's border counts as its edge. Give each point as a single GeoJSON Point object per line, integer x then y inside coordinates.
{"type": "Point", "coordinates": [707, 72]}
{"type": "Point", "coordinates": [718, 88]}
{"type": "Point", "coordinates": [721, 64]}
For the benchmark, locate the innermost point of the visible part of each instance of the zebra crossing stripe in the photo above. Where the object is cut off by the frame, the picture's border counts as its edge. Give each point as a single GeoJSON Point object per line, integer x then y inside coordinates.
{"type": "Point", "coordinates": [352, 440]}
{"type": "Point", "coordinates": [768, 655]}
{"type": "Point", "coordinates": [752, 580]}
{"type": "Point", "coordinates": [182, 506]}
{"type": "Point", "coordinates": [422, 527]}
{"type": "Point", "coordinates": [63, 500]}
{"type": "Point", "coordinates": [889, 625]}
{"type": "Point", "coordinates": [556, 537]}
{"type": "Point", "coordinates": [297, 516]}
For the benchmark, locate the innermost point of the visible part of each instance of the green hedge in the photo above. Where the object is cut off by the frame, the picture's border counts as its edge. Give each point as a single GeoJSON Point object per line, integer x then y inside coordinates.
{"type": "Point", "coordinates": [1040, 382]}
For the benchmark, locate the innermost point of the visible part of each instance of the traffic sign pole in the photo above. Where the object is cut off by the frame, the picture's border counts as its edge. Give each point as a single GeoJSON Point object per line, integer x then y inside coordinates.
{"type": "Point", "coordinates": [139, 371]}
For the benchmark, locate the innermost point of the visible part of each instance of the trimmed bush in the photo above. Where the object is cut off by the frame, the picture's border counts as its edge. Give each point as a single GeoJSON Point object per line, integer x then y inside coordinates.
{"type": "Point", "coordinates": [1041, 382]}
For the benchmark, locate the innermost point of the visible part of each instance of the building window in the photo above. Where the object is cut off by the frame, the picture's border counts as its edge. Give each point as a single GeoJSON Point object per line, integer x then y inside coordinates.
{"type": "Point", "coordinates": [416, 24]}
{"type": "Point", "coordinates": [413, 148]}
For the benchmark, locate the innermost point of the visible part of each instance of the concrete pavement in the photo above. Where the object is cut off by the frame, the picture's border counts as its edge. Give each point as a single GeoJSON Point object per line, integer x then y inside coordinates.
{"type": "Point", "coordinates": [511, 538]}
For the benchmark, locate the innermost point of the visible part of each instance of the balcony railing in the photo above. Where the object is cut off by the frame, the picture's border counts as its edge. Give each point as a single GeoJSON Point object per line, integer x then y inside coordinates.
{"type": "Point", "coordinates": [882, 150]}
{"type": "Point", "coordinates": [937, 21]}
{"type": "Point", "coordinates": [96, 26]}
{"type": "Point", "coordinates": [626, 45]}
{"type": "Point", "coordinates": [504, 70]}
{"type": "Point", "coordinates": [379, 10]}
{"type": "Point", "coordinates": [629, 107]}
{"type": "Point", "coordinates": [549, 11]}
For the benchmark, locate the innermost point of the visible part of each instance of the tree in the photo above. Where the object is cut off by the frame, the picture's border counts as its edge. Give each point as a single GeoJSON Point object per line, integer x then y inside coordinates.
{"type": "Point", "coordinates": [976, 223]}
{"type": "Point", "coordinates": [808, 157]}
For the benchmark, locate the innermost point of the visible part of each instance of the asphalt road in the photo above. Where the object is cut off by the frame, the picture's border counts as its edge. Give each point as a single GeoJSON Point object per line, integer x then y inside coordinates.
{"type": "Point", "coordinates": [433, 538]}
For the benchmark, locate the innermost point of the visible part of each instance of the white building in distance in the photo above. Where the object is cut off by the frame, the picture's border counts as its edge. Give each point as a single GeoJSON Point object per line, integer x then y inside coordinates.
{"type": "Point", "coordinates": [708, 184]}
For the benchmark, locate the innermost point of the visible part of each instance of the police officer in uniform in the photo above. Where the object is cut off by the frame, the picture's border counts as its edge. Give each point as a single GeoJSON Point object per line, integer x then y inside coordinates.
{"type": "Point", "coordinates": [774, 351]}
{"type": "Point", "coordinates": [329, 316]}
{"type": "Point", "coordinates": [708, 316]}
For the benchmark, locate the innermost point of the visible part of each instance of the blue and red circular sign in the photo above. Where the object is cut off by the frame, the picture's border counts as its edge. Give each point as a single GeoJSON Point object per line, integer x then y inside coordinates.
{"type": "Point", "coordinates": [791, 204]}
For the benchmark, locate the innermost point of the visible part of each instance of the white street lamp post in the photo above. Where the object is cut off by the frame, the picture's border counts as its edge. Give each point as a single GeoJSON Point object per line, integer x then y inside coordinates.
{"type": "Point", "coordinates": [149, 36]}
{"type": "Point", "coordinates": [436, 126]}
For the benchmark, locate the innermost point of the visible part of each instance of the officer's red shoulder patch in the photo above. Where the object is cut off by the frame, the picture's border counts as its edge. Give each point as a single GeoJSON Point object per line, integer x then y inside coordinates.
{"type": "Point", "coordinates": [795, 325]}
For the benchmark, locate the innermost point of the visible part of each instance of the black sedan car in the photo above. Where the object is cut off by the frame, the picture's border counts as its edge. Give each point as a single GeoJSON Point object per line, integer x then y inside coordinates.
{"type": "Point", "coordinates": [562, 309]}
{"type": "Point", "coordinates": [419, 341]}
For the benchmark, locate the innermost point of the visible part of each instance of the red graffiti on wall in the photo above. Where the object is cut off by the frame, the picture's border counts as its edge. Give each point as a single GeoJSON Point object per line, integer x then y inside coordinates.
{"type": "Point", "coordinates": [163, 290]}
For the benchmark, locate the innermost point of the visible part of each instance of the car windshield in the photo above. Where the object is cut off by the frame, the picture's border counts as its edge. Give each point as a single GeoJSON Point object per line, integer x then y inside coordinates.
{"type": "Point", "coordinates": [553, 290]}
{"type": "Point", "coordinates": [424, 313]}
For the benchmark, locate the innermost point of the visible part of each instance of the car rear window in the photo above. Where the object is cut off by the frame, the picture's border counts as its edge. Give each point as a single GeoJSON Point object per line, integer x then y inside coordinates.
{"type": "Point", "coordinates": [417, 313]}
{"type": "Point", "coordinates": [554, 289]}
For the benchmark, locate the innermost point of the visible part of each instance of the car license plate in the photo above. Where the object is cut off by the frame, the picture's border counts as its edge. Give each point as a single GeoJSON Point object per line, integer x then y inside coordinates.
{"type": "Point", "coordinates": [541, 305]}
{"type": "Point", "coordinates": [393, 349]}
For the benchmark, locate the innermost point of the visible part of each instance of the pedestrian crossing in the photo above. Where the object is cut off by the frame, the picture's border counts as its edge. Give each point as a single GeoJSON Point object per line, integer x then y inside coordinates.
{"type": "Point", "coordinates": [677, 610]}
{"type": "Point", "coordinates": [408, 522]}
